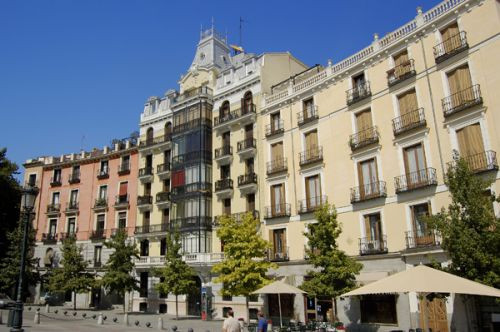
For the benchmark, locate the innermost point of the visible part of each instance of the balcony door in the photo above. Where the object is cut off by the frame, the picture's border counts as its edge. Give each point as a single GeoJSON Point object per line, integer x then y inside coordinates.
{"type": "Point", "coordinates": [358, 83]}
{"type": "Point", "coordinates": [251, 202]}
{"type": "Point", "coordinates": [226, 207]}
{"type": "Point", "coordinates": [277, 152]}
{"type": "Point", "coordinates": [278, 199]}
{"type": "Point", "coordinates": [53, 227]}
{"type": "Point", "coordinates": [451, 37]}
{"type": "Point", "coordinates": [415, 165]}
{"type": "Point", "coordinates": [246, 103]}
{"type": "Point", "coordinates": [149, 136]}
{"type": "Point", "coordinates": [123, 192]}
{"type": "Point", "coordinates": [470, 145]}
{"type": "Point", "coordinates": [71, 225]}
{"type": "Point", "coordinates": [224, 110]}
{"type": "Point", "coordinates": [100, 222]}
{"type": "Point", "coordinates": [311, 140]}
{"type": "Point", "coordinates": [401, 64]}
{"type": "Point", "coordinates": [363, 124]}
{"type": "Point", "coordinates": [275, 122]}
{"type": "Point", "coordinates": [226, 140]}
{"type": "Point", "coordinates": [373, 231]}
{"type": "Point", "coordinates": [368, 178]}
{"type": "Point", "coordinates": [73, 199]}
{"type": "Point", "coordinates": [420, 229]}
{"type": "Point", "coordinates": [249, 166]}
{"type": "Point", "coordinates": [308, 108]}
{"type": "Point", "coordinates": [407, 104]}
{"type": "Point", "coordinates": [55, 198]}
{"type": "Point", "coordinates": [460, 83]}
{"type": "Point", "coordinates": [249, 134]}
{"type": "Point", "coordinates": [278, 237]}
{"type": "Point", "coordinates": [313, 192]}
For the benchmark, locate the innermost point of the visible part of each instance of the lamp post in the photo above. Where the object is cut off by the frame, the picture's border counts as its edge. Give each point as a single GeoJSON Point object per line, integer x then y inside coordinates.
{"type": "Point", "coordinates": [29, 194]}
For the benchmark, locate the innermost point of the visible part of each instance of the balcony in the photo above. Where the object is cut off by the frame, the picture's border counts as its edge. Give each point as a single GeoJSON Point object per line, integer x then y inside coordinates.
{"type": "Point", "coordinates": [98, 234]}
{"type": "Point", "coordinates": [239, 117]}
{"type": "Point", "coordinates": [146, 174]}
{"type": "Point", "coordinates": [450, 47]}
{"type": "Point", "coordinates": [364, 138]}
{"type": "Point", "coordinates": [481, 162]}
{"type": "Point", "coordinates": [312, 204]}
{"type": "Point", "coordinates": [157, 143]}
{"type": "Point", "coordinates": [147, 229]}
{"type": "Point", "coordinates": [415, 180]}
{"type": "Point", "coordinates": [179, 160]}
{"type": "Point", "coordinates": [144, 202]}
{"type": "Point", "coordinates": [237, 216]}
{"type": "Point", "coordinates": [368, 191]}
{"type": "Point", "coordinates": [462, 100]}
{"type": "Point", "coordinates": [307, 115]}
{"type": "Point", "coordinates": [124, 169]}
{"type": "Point", "coordinates": [163, 199]}
{"type": "Point", "coordinates": [358, 93]}
{"type": "Point", "coordinates": [146, 261]}
{"type": "Point", "coordinates": [163, 171]}
{"type": "Point", "coordinates": [67, 235]}
{"type": "Point", "coordinates": [224, 188]}
{"type": "Point", "coordinates": [278, 255]}
{"type": "Point", "coordinates": [247, 148]}
{"type": "Point", "coordinates": [372, 247]}
{"type": "Point", "coordinates": [103, 173]}
{"type": "Point", "coordinates": [115, 231]}
{"type": "Point", "coordinates": [247, 183]}
{"type": "Point", "coordinates": [276, 166]}
{"type": "Point", "coordinates": [409, 121]}
{"type": "Point", "coordinates": [277, 211]}
{"type": "Point", "coordinates": [191, 224]}
{"type": "Point", "coordinates": [275, 128]}
{"type": "Point", "coordinates": [49, 238]}
{"type": "Point", "coordinates": [224, 155]}
{"type": "Point", "coordinates": [71, 208]}
{"type": "Point", "coordinates": [311, 156]}
{"type": "Point", "coordinates": [192, 189]}
{"type": "Point", "coordinates": [55, 181]}
{"type": "Point", "coordinates": [400, 73]}
{"type": "Point", "coordinates": [100, 204]}
{"type": "Point", "coordinates": [203, 258]}
{"type": "Point", "coordinates": [74, 178]}
{"type": "Point", "coordinates": [53, 208]}
{"type": "Point", "coordinates": [121, 202]}
{"type": "Point", "coordinates": [193, 124]}
{"type": "Point", "coordinates": [421, 239]}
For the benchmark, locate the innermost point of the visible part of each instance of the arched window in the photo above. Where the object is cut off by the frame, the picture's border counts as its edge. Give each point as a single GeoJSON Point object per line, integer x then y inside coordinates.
{"type": "Point", "coordinates": [149, 136]}
{"type": "Point", "coordinates": [247, 103]}
{"type": "Point", "coordinates": [224, 110]}
{"type": "Point", "coordinates": [168, 131]}
{"type": "Point", "coordinates": [49, 257]}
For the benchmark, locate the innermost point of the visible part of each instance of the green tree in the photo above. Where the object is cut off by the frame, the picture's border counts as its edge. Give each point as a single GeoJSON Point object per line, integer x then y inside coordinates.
{"type": "Point", "coordinates": [335, 272]}
{"type": "Point", "coordinates": [9, 264]}
{"type": "Point", "coordinates": [118, 276]}
{"type": "Point", "coordinates": [176, 276]}
{"type": "Point", "coordinates": [72, 275]}
{"type": "Point", "coordinates": [470, 232]}
{"type": "Point", "coordinates": [10, 198]}
{"type": "Point", "coordinates": [244, 267]}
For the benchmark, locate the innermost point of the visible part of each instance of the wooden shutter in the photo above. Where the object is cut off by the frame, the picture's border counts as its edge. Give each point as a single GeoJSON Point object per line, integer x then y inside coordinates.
{"type": "Point", "coordinates": [283, 240]}
{"type": "Point", "coordinates": [451, 38]}
{"type": "Point", "coordinates": [368, 233]}
{"type": "Point", "coordinates": [407, 102]}
{"type": "Point", "coordinates": [243, 108]}
{"type": "Point", "coordinates": [470, 140]}
{"type": "Point", "coordinates": [123, 188]}
{"type": "Point", "coordinates": [273, 199]}
{"type": "Point", "coordinates": [311, 140]}
{"type": "Point", "coordinates": [277, 151]}
{"type": "Point", "coordinates": [282, 195]}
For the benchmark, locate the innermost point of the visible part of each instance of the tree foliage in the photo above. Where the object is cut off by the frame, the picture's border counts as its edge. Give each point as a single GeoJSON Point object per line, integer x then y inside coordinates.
{"type": "Point", "coordinates": [118, 276]}
{"type": "Point", "coordinates": [244, 267]}
{"type": "Point", "coordinates": [10, 198]}
{"type": "Point", "coordinates": [176, 276]}
{"type": "Point", "coordinates": [72, 275]}
{"type": "Point", "coordinates": [10, 263]}
{"type": "Point", "coordinates": [469, 230]}
{"type": "Point", "coordinates": [335, 272]}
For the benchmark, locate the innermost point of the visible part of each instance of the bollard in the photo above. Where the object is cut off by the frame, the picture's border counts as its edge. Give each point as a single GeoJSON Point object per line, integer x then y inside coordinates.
{"type": "Point", "coordinates": [160, 323]}
{"type": "Point", "coordinates": [174, 328]}
{"type": "Point", "coordinates": [99, 319]}
{"type": "Point", "coordinates": [37, 318]}
{"type": "Point", "coordinates": [47, 310]}
{"type": "Point", "coordinates": [148, 324]}
{"type": "Point", "coordinates": [125, 319]}
{"type": "Point", "coordinates": [136, 323]}
{"type": "Point", "coordinates": [190, 330]}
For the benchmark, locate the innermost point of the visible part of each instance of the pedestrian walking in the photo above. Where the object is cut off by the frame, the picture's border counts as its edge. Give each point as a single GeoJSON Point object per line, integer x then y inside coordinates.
{"type": "Point", "coordinates": [262, 325]}
{"type": "Point", "coordinates": [230, 323]}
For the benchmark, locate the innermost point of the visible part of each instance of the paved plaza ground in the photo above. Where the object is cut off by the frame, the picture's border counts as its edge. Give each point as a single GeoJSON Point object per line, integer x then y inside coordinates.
{"type": "Point", "coordinates": [59, 322]}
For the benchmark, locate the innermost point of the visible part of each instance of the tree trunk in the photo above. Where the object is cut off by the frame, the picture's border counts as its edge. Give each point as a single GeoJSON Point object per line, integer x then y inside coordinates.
{"type": "Point", "coordinates": [124, 302]}
{"type": "Point", "coordinates": [74, 301]}
{"type": "Point", "coordinates": [176, 308]}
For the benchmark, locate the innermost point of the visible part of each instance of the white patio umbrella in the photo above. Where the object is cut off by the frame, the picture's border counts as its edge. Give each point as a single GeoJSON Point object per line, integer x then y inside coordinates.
{"type": "Point", "coordinates": [423, 279]}
{"type": "Point", "coordinates": [279, 287]}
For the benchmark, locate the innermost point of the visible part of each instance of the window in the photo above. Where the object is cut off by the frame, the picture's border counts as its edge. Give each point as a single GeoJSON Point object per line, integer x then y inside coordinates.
{"type": "Point", "coordinates": [313, 191]}
{"type": "Point", "coordinates": [251, 202]}
{"type": "Point", "coordinates": [226, 208]}
{"type": "Point", "coordinates": [32, 180]}
{"type": "Point", "coordinates": [144, 248]}
{"type": "Point", "coordinates": [470, 140]}
{"type": "Point", "coordinates": [308, 108]}
{"type": "Point", "coordinates": [166, 156]}
{"type": "Point", "coordinates": [364, 122]}
{"type": "Point", "coordinates": [378, 309]}
{"type": "Point", "coordinates": [358, 81]}
{"type": "Point", "coordinates": [368, 177]}
{"type": "Point", "coordinates": [249, 166]}
{"type": "Point", "coordinates": [103, 192]}
{"type": "Point", "coordinates": [149, 136]}
{"type": "Point", "coordinates": [97, 256]}
{"type": "Point", "coordinates": [165, 216]}
{"type": "Point", "coordinates": [249, 133]}
{"type": "Point", "coordinates": [226, 139]}
{"type": "Point", "coordinates": [275, 122]}
{"type": "Point", "coordinates": [146, 218]}
{"type": "Point", "coordinates": [104, 167]}
{"type": "Point", "coordinates": [143, 288]}
{"type": "Point", "coordinates": [123, 192]}
{"type": "Point", "coordinates": [277, 152]}
{"type": "Point", "coordinates": [52, 227]}
{"type": "Point", "coordinates": [163, 247]}
{"type": "Point", "coordinates": [311, 140]}
{"type": "Point", "coordinates": [57, 175]}
{"type": "Point", "coordinates": [55, 198]}
{"type": "Point", "coordinates": [373, 230]}
{"type": "Point", "coordinates": [459, 80]}
{"type": "Point", "coordinates": [147, 189]}
{"type": "Point", "coordinates": [418, 212]}
{"type": "Point", "coordinates": [401, 64]}
{"type": "Point", "coordinates": [414, 159]}
{"type": "Point", "coordinates": [73, 198]}
{"type": "Point", "coordinates": [278, 199]}
{"type": "Point", "coordinates": [246, 103]}
{"type": "Point", "coordinates": [149, 161]}
{"type": "Point", "coordinates": [122, 220]}
{"type": "Point", "coordinates": [100, 222]}
{"type": "Point", "coordinates": [225, 172]}
{"type": "Point", "coordinates": [408, 103]}
{"type": "Point", "coordinates": [71, 225]}
{"type": "Point", "coordinates": [125, 162]}
{"type": "Point", "coordinates": [224, 110]}
{"type": "Point", "coordinates": [76, 171]}
{"type": "Point", "coordinates": [279, 243]}
{"type": "Point", "coordinates": [451, 37]}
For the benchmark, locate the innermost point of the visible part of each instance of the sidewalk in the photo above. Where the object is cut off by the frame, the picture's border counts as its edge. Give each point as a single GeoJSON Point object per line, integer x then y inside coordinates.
{"type": "Point", "coordinates": [59, 322]}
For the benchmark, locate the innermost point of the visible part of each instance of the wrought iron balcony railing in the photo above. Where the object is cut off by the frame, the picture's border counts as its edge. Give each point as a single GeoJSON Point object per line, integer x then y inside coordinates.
{"type": "Point", "coordinates": [277, 211]}
{"type": "Point", "coordinates": [414, 180]}
{"type": "Point", "coordinates": [223, 151]}
{"type": "Point", "coordinates": [247, 179]}
{"type": "Point", "coordinates": [307, 115]}
{"type": "Point", "coordinates": [358, 93]}
{"type": "Point", "coordinates": [401, 72]}
{"type": "Point", "coordinates": [481, 162]}
{"type": "Point", "coordinates": [373, 246]}
{"type": "Point", "coordinates": [421, 239]}
{"type": "Point", "coordinates": [311, 204]}
{"type": "Point", "coordinates": [451, 46]}
{"type": "Point", "coordinates": [74, 177]}
{"type": "Point", "coordinates": [223, 184]}
{"type": "Point", "coordinates": [98, 234]}
{"type": "Point", "coordinates": [144, 200]}
{"type": "Point", "coordinates": [121, 200]}
{"type": "Point", "coordinates": [191, 223]}
{"type": "Point", "coordinates": [55, 181]}
{"type": "Point", "coordinates": [409, 121]}
{"type": "Point", "coordinates": [249, 143]}
{"type": "Point", "coordinates": [146, 171]}
{"type": "Point", "coordinates": [124, 168]}
{"type": "Point", "coordinates": [276, 166]}
{"type": "Point", "coordinates": [275, 128]}
{"type": "Point", "coordinates": [53, 207]}
{"type": "Point", "coordinates": [368, 191]}
{"type": "Point", "coordinates": [248, 109]}
{"type": "Point", "coordinates": [49, 238]}
{"type": "Point", "coordinates": [163, 196]}
{"type": "Point", "coordinates": [313, 155]}
{"type": "Point", "coordinates": [155, 140]}
{"type": "Point", "coordinates": [100, 203]}
{"type": "Point", "coordinates": [103, 173]}
{"type": "Point", "coordinates": [165, 167]}
{"type": "Point", "coordinates": [462, 100]}
{"type": "Point", "coordinates": [72, 206]}
{"type": "Point", "coordinates": [364, 138]}
{"type": "Point", "coordinates": [278, 254]}
{"type": "Point", "coordinates": [67, 235]}
{"type": "Point", "coordinates": [145, 229]}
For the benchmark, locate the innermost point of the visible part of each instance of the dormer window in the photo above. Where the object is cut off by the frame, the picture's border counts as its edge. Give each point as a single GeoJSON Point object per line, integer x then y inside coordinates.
{"type": "Point", "coordinates": [153, 106]}
{"type": "Point", "coordinates": [248, 68]}
{"type": "Point", "coordinates": [227, 78]}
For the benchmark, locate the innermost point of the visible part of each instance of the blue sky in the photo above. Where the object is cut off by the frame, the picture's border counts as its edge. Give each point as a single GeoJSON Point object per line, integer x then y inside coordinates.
{"type": "Point", "coordinates": [76, 74]}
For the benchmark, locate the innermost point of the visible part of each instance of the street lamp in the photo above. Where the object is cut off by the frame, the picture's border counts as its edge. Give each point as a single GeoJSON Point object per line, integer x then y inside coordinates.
{"type": "Point", "coordinates": [29, 194]}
